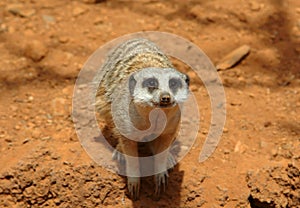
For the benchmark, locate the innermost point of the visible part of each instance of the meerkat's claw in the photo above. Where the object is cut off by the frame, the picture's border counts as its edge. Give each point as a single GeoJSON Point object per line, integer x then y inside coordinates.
{"type": "Point", "coordinates": [161, 181]}
{"type": "Point", "coordinates": [133, 184]}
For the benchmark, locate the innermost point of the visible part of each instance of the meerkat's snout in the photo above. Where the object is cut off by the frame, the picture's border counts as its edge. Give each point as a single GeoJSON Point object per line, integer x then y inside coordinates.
{"type": "Point", "coordinates": [165, 99]}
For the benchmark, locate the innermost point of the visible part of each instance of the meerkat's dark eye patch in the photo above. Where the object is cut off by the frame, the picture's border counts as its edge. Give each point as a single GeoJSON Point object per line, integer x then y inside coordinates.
{"type": "Point", "coordinates": [187, 79]}
{"type": "Point", "coordinates": [150, 83]}
{"type": "Point", "coordinates": [132, 83]}
{"type": "Point", "coordinates": [175, 84]}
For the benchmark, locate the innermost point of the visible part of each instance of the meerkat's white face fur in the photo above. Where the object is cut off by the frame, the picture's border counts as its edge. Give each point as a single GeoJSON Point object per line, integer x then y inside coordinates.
{"type": "Point", "coordinates": [158, 87]}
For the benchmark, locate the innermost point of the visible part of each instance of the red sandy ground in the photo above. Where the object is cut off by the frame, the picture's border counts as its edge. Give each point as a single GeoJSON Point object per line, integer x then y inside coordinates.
{"type": "Point", "coordinates": [44, 44]}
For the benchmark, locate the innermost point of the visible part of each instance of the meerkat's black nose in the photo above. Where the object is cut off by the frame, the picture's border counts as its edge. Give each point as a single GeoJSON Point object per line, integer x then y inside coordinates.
{"type": "Point", "coordinates": [165, 98]}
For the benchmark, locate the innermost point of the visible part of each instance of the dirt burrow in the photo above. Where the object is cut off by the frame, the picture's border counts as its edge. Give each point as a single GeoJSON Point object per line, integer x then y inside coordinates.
{"type": "Point", "coordinates": [275, 187]}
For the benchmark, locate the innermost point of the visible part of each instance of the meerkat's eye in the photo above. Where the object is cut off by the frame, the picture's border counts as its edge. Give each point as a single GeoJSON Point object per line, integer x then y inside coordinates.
{"type": "Point", "coordinates": [150, 83]}
{"type": "Point", "coordinates": [174, 84]}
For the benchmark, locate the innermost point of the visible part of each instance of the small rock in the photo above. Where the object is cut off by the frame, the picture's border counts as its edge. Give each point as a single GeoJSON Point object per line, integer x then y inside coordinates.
{"type": "Point", "coordinates": [255, 6]}
{"type": "Point", "coordinates": [55, 157]}
{"type": "Point", "coordinates": [98, 21]}
{"type": "Point", "coordinates": [35, 50]}
{"type": "Point", "coordinates": [46, 138]}
{"type": "Point", "coordinates": [8, 140]}
{"type": "Point", "coordinates": [263, 144]}
{"type": "Point", "coordinates": [48, 18]}
{"type": "Point", "coordinates": [274, 152]}
{"type": "Point", "coordinates": [63, 39]}
{"type": "Point", "coordinates": [267, 124]}
{"type": "Point", "coordinates": [79, 11]}
{"type": "Point", "coordinates": [66, 163]}
{"type": "Point", "coordinates": [233, 57]}
{"type": "Point", "coordinates": [17, 127]}
{"type": "Point", "coordinates": [3, 28]}
{"type": "Point", "coordinates": [92, 1]}
{"type": "Point", "coordinates": [240, 148]}
{"type": "Point", "coordinates": [26, 141]}
{"type": "Point", "coordinates": [251, 95]}
{"type": "Point", "coordinates": [30, 98]}
{"type": "Point", "coordinates": [19, 10]}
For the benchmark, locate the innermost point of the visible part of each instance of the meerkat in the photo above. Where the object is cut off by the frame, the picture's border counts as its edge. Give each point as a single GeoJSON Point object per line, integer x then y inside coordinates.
{"type": "Point", "coordinates": [137, 79]}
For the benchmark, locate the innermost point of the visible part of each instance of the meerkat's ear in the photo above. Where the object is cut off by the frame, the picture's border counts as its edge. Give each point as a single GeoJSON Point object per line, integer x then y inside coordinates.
{"type": "Point", "coordinates": [131, 84]}
{"type": "Point", "coordinates": [187, 79]}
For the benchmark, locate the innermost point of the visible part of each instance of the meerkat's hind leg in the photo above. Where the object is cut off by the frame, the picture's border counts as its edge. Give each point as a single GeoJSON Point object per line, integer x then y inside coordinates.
{"type": "Point", "coordinates": [130, 150]}
{"type": "Point", "coordinates": [161, 179]}
{"type": "Point", "coordinates": [163, 160]}
{"type": "Point", "coordinates": [133, 184]}
{"type": "Point", "coordinates": [161, 182]}
{"type": "Point", "coordinates": [161, 170]}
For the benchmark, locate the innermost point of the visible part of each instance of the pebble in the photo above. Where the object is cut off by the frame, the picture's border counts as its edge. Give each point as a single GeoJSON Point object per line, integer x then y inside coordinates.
{"type": "Point", "coordinates": [17, 127]}
{"type": "Point", "coordinates": [92, 1]}
{"type": "Point", "coordinates": [26, 141]}
{"type": "Point", "coordinates": [20, 10]}
{"type": "Point", "coordinates": [274, 152]}
{"type": "Point", "coordinates": [98, 21]}
{"type": "Point", "coordinates": [240, 148]}
{"type": "Point", "coordinates": [48, 18]}
{"type": "Point", "coordinates": [35, 50]}
{"type": "Point", "coordinates": [255, 6]}
{"type": "Point", "coordinates": [8, 140]}
{"type": "Point", "coordinates": [251, 95]}
{"type": "Point", "coordinates": [267, 124]}
{"type": "Point", "coordinates": [233, 57]}
{"type": "Point", "coordinates": [63, 39]}
{"type": "Point", "coordinates": [3, 28]}
{"type": "Point", "coordinates": [79, 11]}
{"type": "Point", "coordinates": [30, 98]}
{"type": "Point", "coordinates": [45, 138]}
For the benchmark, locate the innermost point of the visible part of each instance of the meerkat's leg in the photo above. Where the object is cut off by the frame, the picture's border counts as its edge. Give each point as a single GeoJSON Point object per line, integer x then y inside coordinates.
{"type": "Point", "coordinates": [163, 158]}
{"type": "Point", "coordinates": [171, 160]}
{"type": "Point", "coordinates": [130, 150]}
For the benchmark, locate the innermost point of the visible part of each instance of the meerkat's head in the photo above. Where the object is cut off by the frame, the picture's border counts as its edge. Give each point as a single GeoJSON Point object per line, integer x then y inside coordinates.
{"type": "Point", "coordinates": [158, 87]}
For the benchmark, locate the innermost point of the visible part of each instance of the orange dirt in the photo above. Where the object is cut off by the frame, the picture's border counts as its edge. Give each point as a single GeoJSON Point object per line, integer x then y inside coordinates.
{"type": "Point", "coordinates": [44, 44]}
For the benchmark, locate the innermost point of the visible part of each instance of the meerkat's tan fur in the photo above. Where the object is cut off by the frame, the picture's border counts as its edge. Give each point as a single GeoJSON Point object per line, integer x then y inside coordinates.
{"type": "Point", "coordinates": [131, 63]}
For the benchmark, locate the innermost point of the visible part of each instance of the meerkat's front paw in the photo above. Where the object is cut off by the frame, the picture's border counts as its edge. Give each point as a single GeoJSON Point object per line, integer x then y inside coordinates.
{"type": "Point", "coordinates": [133, 184]}
{"type": "Point", "coordinates": [161, 181]}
